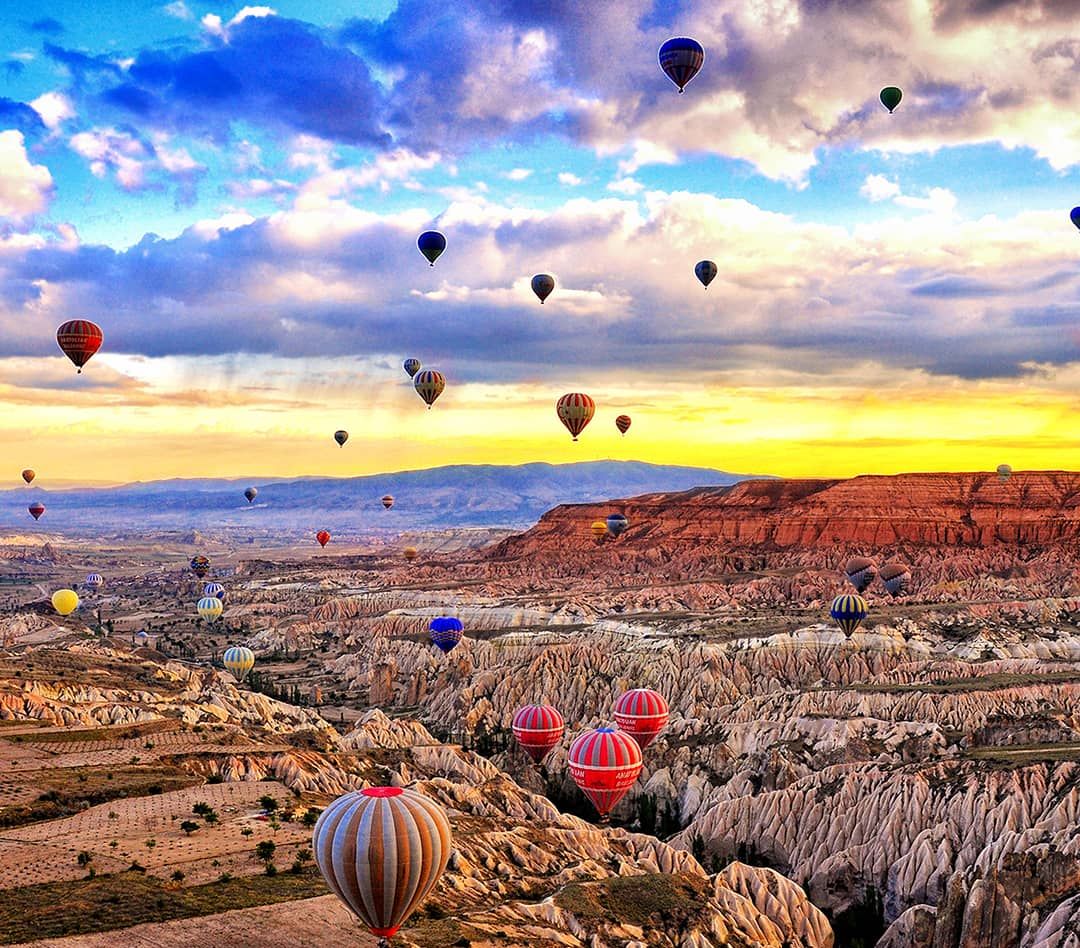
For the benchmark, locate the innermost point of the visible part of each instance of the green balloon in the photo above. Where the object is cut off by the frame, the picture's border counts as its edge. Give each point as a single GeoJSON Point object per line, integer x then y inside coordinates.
{"type": "Point", "coordinates": [890, 97]}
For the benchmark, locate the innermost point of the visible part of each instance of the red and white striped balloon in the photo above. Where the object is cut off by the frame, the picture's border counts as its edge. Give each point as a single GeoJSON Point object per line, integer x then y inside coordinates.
{"type": "Point", "coordinates": [381, 851]}
{"type": "Point", "coordinates": [575, 411]}
{"type": "Point", "coordinates": [642, 713]}
{"type": "Point", "coordinates": [538, 728]}
{"type": "Point", "coordinates": [604, 763]}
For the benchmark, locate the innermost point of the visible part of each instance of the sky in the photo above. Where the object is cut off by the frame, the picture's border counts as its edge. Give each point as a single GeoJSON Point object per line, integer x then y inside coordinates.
{"type": "Point", "coordinates": [233, 193]}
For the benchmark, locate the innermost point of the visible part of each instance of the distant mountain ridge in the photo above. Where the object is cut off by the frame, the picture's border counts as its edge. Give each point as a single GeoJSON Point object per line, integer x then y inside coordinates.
{"type": "Point", "coordinates": [462, 495]}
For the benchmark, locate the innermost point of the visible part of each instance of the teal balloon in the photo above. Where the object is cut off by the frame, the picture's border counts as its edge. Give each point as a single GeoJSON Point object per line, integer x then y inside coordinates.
{"type": "Point", "coordinates": [890, 97]}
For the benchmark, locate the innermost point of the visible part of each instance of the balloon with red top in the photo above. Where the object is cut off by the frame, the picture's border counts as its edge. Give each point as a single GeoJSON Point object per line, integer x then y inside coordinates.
{"type": "Point", "coordinates": [382, 851]}
{"type": "Point", "coordinates": [79, 339]}
{"type": "Point", "coordinates": [323, 536]}
{"type": "Point", "coordinates": [642, 713]}
{"type": "Point", "coordinates": [538, 728]}
{"type": "Point", "coordinates": [36, 510]}
{"type": "Point", "coordinates": [604, 763]}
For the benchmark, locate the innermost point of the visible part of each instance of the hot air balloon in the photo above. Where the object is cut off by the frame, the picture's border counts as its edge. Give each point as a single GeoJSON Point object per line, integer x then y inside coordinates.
{"type": "Point", "coordinates": [79, 339]}
{"type": "Point", "coordinates": [209, 608]}
{"type": "Point", "coordinates": [446, 632]}
{"type": "Point", "coordinates": [681, 58]}
{"type": "Point", "coordinates": [642, 713]}
{"type": "Point", "coordinates": [200, 565]}
{"type": "Point", "coordinates": [705, 271]}
{"type": "Point", "coordinates": [599, 529]}
{"type": "Point", "coordinates": [238, 661]}
{"type": "Point", "coordinates": [538, 728]}
{"type": "Point", "coordinates": [849, 612]}
{"type": "Point", "coordinates": [94, 580]}
{"type": "Point", "coordinates": [542, 285]}
{"type": "Point", "coordinates": [604, 763]}
{"type": "Point", "coordinates": [890, 97]}
{"type": "Point", "coordinates": [896, 578]}
{"type": "Point", "coordinates": [429, 385]}
{"type": "Point", "coordinates": [251, 493]}
{"type": "Point", "coordinates": [36, 510]}
{"type": "Point", "coordinates": [323, 537]}
{"type": "Point", "coordinates": [431, 244]}
{"type": "Point", "coordinates": [617, 524]}
{"type": "Point", "coordinates": [28, 475]}
{"type": "Point", "coordinates": [341, 437]}
{"type": "Point", "coordinates": [575, 411]}
{"type": "Point", "coordinates": [388, 501]}
{"type": "Point", "coordinates": [1074, 216]}
{"type": "Point", "coordinates": [382, 850]}
{"type": "Point", "coordinates": [1004, 472]}
{"type": "Point", "coordinates": [141, 638]}
{"type": "Point", "coordinates": [214, 589]}
{"type": "Point", "coordinates": [411, 367]}
{"type": "Point", "coordinates": [860, 572]}
{"type": "Point", "coordinates": [410, 553]}
{"type": "Point", "coordinates": [65, 601]}
{"type": "Point", "coordinates": [623, 423]}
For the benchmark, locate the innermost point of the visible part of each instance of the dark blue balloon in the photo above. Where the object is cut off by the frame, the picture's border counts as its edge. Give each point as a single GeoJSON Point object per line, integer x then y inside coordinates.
{"type": "Point", "coordinates": [681, 58]}
{"type": "Point", "coordinates": [431, 244]}
{"type": "Point", "coordinates": [1075, 216]}
{"type": "Point", "coordinates": [446, 632]}
{"type": "Point", "coordinates": [617, 524]}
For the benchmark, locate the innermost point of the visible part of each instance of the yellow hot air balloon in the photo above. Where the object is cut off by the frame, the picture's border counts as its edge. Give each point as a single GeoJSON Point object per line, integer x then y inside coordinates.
{"type": "Point", "coordinates": [599, 529]}
{"type": "Point", "coordinates": [65, 601]}
{"type": "Point", "coordinates": [239, 660]}
{"type": "Point", "coordinates": [209, 608]}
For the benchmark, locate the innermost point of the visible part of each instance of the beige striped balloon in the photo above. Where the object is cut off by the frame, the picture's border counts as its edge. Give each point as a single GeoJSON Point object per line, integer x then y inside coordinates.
{"type": "Point", "coordinates": [382, 850]}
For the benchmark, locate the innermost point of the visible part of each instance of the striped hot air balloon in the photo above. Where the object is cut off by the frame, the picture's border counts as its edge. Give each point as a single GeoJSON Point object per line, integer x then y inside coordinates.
{"type": "Point", "coordinates": [575, 411]}
{"type": "Point", "coordinates": [238, 661]}
{"type": "Point", "coordinates": [411, 367]}
{"type": "Point", "coordinates": [36, 509]}
{"type": "Point", "coordinates": [214, 589]}
{"type": "Point", "coordinates": [94, 580]}
{"type": "Point", "coordinates": [381, 851]}
{"type": "Point", "coordinates": [538, 728]}
{"type": "Point", "coordinates": [599, 530]}
{"type": "Point", "coordinates": [388, 501]}
{"type": "Point", "coordinates": [429, 385]}
{"type": "Point", "coordinates": [849, 612]}
{"type": "Point", "coordinates": [323, 536]}
{"type": "Point", "coordinates": [604, 763]}
{"type": "Point", "coordinates": [642, 713]}
{"type": "Point", "coordinates": [200, 565]}
{"type": "Point", "coordinates": [446, 632]}
{"type": "Point", "coordinates": [79, 339]}
{"type": "Point", "coordinates": [860, 572]}
{"type": "Point", "coordinates": [209, 608]}
{"type": "Point", "coordinates": [681, 58]}
{"type": "Point", "coordinates": [896, 578]}
{"type": "Point", "coordinates": [623, 423]}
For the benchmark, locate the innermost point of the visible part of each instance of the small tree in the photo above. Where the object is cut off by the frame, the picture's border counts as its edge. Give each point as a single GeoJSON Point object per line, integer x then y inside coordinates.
{"type": "Point", "coordinates": [201, 809]}
{"type": "Point", "coordinates": [268, 803]}
{"type": "Point", "coordinates": [303, 857]}
{"type": "Point", "coordinates": [151, 843]}
{"type": "Point", "coordinates": [264, 851]}
{"type": "Point", "coordinates": [178, 876]}
{"type": "Point", "coordinates": [246, 831]}
{"type": "Point", "coordinates": [189, 826]}
{"type": "Point", "coordinates": [84, 858]}
{"type": "Point", "coordinates": [311, 816]}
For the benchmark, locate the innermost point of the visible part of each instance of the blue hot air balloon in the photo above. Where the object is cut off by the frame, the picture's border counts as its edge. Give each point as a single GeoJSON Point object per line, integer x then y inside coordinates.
{"type": "Point", "coordinates": [1074, 216]}
{"type": "Point", "coordinates": [431, 244]}
{"type": "Point", "coordinates": [681, 58]}
{"type": "Point", "coordinates": [848, 612]}
{"type": "Point", "coordinates": [446, 632]}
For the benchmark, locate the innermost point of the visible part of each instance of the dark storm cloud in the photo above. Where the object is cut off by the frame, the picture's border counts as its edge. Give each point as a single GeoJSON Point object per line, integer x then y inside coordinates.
{"type": "Point", "coordinates": [19, 115]}
{"type": "Point", "coordinates": [953, 287]}
{"type": "Point", "coordinates": [272, 71]}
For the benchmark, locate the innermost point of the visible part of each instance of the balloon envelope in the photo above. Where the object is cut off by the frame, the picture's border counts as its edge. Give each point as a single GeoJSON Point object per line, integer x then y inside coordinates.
{"type": "Point", "coordinates": [36, 510]}
{"type": "Point", "coordinates": [94, 580]}
{"type": "Point", "coordinates": [1004, 472]}
{"type": "Point", "coordinates": [849, 612]}
{"type": "Point", "coordinates": [79, 339]}
{"type": "Point", "coordinates": [446, 632]}
{"type": "Point", "coordinates": [896, 578]}
{"type": "Point", "coordinates": [604, 763]}
{"type": "Point", "coordinates": [65, 601]}
{"type": "Point", "coordinates": [542, 285]}
{"type": "Point", "coordinates": [388, 501]}
{"type": "Point", "coordinates": [623, 423]}
{"type": "Point", "coordinates": [214, 589]}
{"type": "Point", "coordinates": [642, 713]}
{"type": "Point", "coordinates": [251, 493]}
{"type": "Point", "coordinates": [538, 728]}
{"type": "Point", "coordinates": [705, 271]}
{"type": "Point", "coordinates": [617, 524]}
{"type": "Point", "coordinates": [575, 411]}
{"type": "Point", "coordinates": [1074, 216]}
{"type": "Point", "coordinates": [429, 385]}
{"type": "Point", "coordinates": [681, 58]}
{"type": "Point", "coordinates": [411, 367]}
{"type": "Point", "coordinates": [200, 565]}
{"type": "Point", "coordinates": [238, 661]}
{"type": "Point", "coordinates": [431, 244]}
{"type": "Point", "coordinates": [860, 572]}
{"type": "Point", "coordinates": [28, 475]}
{"type": "Point", "coordinates": [381, 851]}
{"type": "Point", "coordinates": [209, 608]}
{"type": "Point", "coordinates": [410, 553]}
{"type": "Point", "coordinates": [341, 437]}
{"type": "Point", "coordinates": [599, 529]}
{"type": "Point", "coordinates": [323, 537]}
{"type": "Point", "coordinates": [890, 97]}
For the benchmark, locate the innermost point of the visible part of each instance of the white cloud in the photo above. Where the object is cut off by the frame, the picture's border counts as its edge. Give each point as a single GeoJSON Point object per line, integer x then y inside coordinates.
{"type": "Point", "coordinates": [54, 108]}
{"type": "Point", "coordinates": [108, 149]}
{"type": "Point", "coordinates": [213, 25]}
{"type": "Point", "coordinates": [877, 187]}
{"type": "Point", "coordinates": [626, 186]}
{"type": "Point", "coordinates": [518, 174]}
{"type": "Point", "coordinates": [179, 10]}
{"type": "Point", "coordinates": [24, 187]}
{"type": "Point", "coordinates": [569, 179]}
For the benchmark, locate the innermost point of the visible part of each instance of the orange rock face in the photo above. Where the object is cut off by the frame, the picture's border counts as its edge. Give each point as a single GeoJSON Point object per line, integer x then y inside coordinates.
{"type": "Point", "coordinates": [868, 512]}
